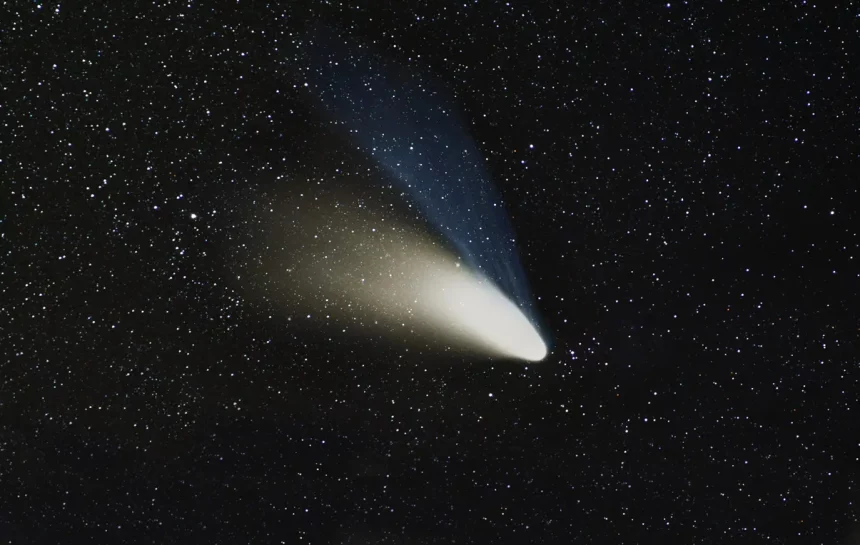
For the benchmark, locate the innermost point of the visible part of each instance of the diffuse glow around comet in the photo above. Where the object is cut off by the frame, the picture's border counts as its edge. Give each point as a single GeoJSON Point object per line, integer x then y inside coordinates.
{"type": "Point", "coordinates": [355, 266]}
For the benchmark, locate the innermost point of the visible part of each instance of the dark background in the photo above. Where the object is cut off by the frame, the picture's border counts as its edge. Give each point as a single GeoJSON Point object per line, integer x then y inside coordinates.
{"type": "Point", "coordinates": [687, 215]}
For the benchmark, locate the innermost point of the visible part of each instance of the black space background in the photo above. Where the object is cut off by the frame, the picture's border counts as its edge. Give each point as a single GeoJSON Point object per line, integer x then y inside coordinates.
{"type": "Point", "coordinates": [687, 216]}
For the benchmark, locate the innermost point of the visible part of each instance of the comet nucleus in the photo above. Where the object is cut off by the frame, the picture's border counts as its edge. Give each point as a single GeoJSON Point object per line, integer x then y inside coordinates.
{"type": "Point", "coordinates": [474, 307]}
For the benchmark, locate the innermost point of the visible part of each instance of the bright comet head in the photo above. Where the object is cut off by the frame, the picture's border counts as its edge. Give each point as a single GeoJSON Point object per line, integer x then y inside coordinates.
{"type": "Point", "coordinates": [475, 309]}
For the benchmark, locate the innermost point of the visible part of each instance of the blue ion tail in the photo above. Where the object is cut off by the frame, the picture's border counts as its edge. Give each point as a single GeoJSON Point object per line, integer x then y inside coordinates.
{"type": "Point", "coordinates": [407, 124]}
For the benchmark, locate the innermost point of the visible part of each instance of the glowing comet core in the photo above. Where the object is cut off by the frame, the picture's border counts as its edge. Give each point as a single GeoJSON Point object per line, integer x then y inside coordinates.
{"type": "Point", "coordinates": [474, 307]}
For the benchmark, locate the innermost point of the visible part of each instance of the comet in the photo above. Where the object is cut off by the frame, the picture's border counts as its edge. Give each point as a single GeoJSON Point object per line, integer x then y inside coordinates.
{"type": "Point", "coordinates": [444, 271]}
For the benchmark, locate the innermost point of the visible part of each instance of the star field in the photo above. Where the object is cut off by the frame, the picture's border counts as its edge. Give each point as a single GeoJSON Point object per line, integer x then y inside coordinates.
{"type": "Point", "coordinates": [681, 179]}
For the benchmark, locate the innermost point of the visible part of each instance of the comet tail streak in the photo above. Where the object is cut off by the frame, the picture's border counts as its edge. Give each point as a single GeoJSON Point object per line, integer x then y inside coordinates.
{"type": "Point", "coordinates": [391, 279]}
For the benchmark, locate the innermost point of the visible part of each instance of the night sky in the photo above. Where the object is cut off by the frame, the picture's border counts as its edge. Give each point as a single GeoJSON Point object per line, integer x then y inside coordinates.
{"type": "Point", "coordinates": [682, 181]}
